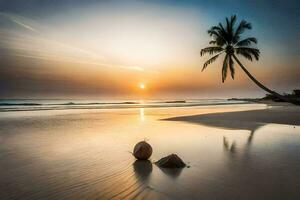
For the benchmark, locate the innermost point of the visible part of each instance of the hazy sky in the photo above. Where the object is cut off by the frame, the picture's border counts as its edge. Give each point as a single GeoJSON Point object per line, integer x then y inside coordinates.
{"type": "Point", "coordinates": [105, 49]}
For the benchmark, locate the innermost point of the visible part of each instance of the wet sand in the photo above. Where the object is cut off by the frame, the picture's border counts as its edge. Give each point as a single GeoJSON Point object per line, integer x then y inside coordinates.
{"type": "Point", "coordinates": [85, 154]}
{"type": "Point", "coordinates": [248, 120]}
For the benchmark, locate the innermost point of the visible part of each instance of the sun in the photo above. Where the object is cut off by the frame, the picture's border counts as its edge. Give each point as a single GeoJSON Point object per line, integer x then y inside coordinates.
{"type": "Point", "coordinates": [142, 86]}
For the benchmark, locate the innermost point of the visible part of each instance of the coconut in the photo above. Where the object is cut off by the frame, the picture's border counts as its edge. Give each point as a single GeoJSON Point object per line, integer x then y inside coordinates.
{"type": "Point", "coordinates": [142, 150]}
{"type": "Point", "coordinates": [170, 161]}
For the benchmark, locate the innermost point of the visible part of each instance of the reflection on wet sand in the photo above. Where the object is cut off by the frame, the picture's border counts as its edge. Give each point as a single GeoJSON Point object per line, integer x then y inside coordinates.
{"type": "Point", "coordinates": [230, 148]}
{"type": "Point", "coordinates": [142, 169]}
{"type": "Point", "coordinates": [173, 173]}
{"type": "Point", "coordinates": [249, 120]}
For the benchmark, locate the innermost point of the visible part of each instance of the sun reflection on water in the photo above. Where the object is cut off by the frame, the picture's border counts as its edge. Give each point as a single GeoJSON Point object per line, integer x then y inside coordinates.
{"type": "Point", "coordinates": [142, 114]}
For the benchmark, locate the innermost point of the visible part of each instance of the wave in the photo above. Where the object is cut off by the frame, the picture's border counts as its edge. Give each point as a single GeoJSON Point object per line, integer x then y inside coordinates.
{"type": "Point", "coordinates": [18, 105]}
{"type": "Point", "coordinates": [63, 104]}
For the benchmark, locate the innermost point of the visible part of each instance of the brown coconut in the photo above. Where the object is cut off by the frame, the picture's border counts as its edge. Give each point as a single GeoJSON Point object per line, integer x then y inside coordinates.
{"type": "Point", "coordinates": [142, 150]}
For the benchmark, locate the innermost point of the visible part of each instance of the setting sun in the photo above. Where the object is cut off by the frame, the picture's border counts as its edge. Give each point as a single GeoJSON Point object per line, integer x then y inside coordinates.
{"type": "Point", "coordinates": [142, 86]}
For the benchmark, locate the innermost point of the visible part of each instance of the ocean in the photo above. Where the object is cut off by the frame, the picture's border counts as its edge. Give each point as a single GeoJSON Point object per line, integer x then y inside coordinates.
{"type": "Point", "coordinates": [65, 104]}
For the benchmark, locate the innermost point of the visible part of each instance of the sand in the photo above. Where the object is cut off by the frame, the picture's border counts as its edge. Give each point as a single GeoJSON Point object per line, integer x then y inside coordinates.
{"type": "Point", "coordinates": [248, 120]}
{"type": "Point", "coordinates": [85, 154]}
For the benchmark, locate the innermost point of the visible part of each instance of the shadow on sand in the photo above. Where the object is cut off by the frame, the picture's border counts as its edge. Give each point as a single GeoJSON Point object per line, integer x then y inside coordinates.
{"type": "Point", "coordinates": [247, 120]}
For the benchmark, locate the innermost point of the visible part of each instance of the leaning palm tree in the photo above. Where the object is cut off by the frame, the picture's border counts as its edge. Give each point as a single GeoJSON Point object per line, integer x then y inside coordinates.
{"type": "Point", "coordinates": [227, 39]}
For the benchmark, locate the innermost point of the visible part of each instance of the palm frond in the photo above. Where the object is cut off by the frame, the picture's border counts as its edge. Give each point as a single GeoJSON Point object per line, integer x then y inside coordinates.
{"type": "Point", "coordinates": [213, 33]}
{"type": "Point", "coordinates": [211, 50]}
{"type": "Point", "coordinates": [216, 28]}
{"type": "Point", "coordinates": [247, 42]}
{"type": "Point", "coordinates": [230, 26]}
{"type": "Point", "coordinates": [222, 29]}
{"type": "Point", "coordinates": [213, 42]}
{"type": "Point", "coordinates": [245, 54]}
{"type": "Point", "coordinates": [225, 68]}
{"type": "Point", "coordinates": [248, 50]}
{"type": "Point", "coordinates": [209, 61]}
{"type": "Point", "coordinates": [233, 20]}
{"type": "Point", "coordinates": [223, 33]}
{"type": "Point", "coordinates": [244, 25]}
{"type": "Point", "coordinates": [217, 36]}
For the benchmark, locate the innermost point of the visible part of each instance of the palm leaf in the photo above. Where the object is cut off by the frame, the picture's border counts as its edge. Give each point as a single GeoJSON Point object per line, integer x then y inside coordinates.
{"type": "Point", "coordinates": [217, 36]}
{"type": "Point", "coordinates": [213, 33]}
{"type": "Point", "coordinates": [213, 42]}
{"type": "Point", "coordinates": [229, 27]}
{"type": "Point", "coordinates": [209, 61]}
{"type": "Point", "coordinates": [211, 50]}
{"type": "Point", "coordinates": [216, 28]}
{"type": "Point", "coordinates": [247, 42]}
{"type": "Point", "coordinates": [240, 29]}
{"type": "Point", "coordinates": [233, 20]}
{"type": "Point", "coordinates": [248, 50]}
{"type": "Point", "coordinates": [244, 54]}
{"type": "Point", "coordinates": [223, 33]}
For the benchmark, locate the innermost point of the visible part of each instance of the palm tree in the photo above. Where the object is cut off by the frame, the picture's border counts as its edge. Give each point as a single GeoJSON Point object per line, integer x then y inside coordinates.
{"type": "Point", "coordinates": [227, 39]}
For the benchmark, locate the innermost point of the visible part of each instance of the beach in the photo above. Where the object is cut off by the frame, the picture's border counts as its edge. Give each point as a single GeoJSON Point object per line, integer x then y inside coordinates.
{"type": "Point", "coordinates": [240, 151]}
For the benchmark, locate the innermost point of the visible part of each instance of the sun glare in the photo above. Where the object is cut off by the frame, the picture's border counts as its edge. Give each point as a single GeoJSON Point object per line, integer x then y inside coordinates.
{"type": "Point", "coordinates": [142, 86]}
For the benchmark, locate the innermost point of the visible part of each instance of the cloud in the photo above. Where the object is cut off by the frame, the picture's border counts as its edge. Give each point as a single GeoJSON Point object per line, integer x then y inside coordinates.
{"type": "Point", "coordinates": [41, 46]}
{"type": "Point", "coordinates": [135, 68]}
{"type": "Point", "coordinates": [18, 20]}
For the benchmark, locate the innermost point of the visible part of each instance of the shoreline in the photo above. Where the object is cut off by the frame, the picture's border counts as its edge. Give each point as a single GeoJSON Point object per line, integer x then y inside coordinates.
{"type": "Point", "coordinates": [123, 106]}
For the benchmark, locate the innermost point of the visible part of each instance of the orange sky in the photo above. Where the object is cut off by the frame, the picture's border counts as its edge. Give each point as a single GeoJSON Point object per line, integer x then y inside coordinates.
{"type": "Point", "coordinates": [107, 51]}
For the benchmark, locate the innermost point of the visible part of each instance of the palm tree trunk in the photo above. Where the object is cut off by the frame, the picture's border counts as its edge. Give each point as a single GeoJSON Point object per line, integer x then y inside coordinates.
{"type": "Point", "coordinates": [279, 96]}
